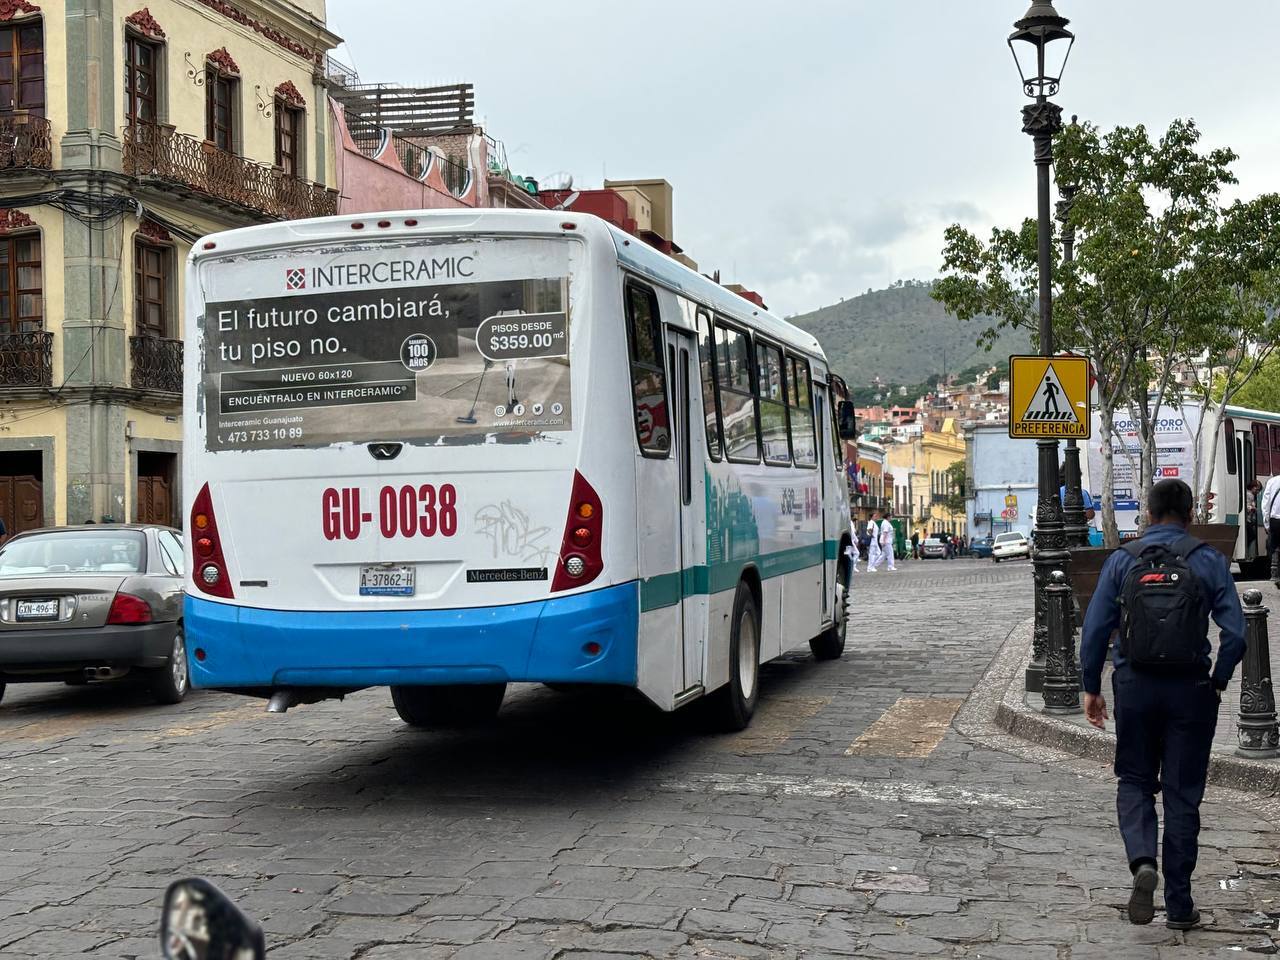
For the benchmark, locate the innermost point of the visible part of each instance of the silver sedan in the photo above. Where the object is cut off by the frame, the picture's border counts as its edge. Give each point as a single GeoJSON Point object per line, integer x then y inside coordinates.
{"type": "Point", "coordinates": [94, 603]}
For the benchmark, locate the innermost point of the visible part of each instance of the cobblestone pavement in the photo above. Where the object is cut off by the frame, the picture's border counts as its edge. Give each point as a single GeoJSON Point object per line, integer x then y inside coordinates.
{"type": "Point", "coordinates": [850, 820]}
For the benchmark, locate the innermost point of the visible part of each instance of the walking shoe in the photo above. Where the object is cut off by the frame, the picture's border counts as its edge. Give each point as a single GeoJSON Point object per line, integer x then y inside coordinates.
{"type": "Point", "coordinates": [1141, 905]}
{"type": "Point", "coordinates": [1190, 922]}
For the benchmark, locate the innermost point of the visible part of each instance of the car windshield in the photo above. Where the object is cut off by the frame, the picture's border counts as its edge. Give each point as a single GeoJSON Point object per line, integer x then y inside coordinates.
{"type": "Point", "coordinates": [53, 554]}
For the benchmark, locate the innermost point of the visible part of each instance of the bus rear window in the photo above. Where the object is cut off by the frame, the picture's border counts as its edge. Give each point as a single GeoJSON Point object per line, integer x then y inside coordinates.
{"type": "Point", "coordinates": [648, 380]}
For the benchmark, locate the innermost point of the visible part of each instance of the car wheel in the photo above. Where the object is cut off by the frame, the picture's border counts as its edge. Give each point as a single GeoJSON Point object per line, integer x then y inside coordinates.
{"type": "Point", "coordinates": [735, 702]}
{"type": "Point", "coordinates": [1, 691]}
{"type": "Point", "coordinates": [170, 683]}
{"type": "Point", "coordinates": [453, 705]}
{"type": "Point", "coordinates": [995, 559]}
{"type": "Point", "coordinates": [829, 644]}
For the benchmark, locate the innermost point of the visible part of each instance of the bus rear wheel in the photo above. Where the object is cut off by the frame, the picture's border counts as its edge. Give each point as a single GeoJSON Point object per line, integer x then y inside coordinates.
{"type": "Point", "coordinates": [456, 705]}
{"type": "Point", "coordinates": [735, 702]}
{"type": "Point", "coordinates": [829, 645]}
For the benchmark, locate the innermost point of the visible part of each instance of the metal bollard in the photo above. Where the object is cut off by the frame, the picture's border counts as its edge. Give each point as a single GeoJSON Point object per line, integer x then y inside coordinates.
{"type": "Point", "coordinates": [1256, 729]}
{"type": "Point", "coordinates": [1061, 672]}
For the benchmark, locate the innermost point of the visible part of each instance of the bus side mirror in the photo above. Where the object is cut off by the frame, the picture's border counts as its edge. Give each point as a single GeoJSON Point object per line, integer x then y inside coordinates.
{"type": "Point", "coordinates": [847, 420]}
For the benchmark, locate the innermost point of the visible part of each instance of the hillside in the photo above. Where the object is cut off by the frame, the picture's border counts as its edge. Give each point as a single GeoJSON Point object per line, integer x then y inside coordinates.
{"type": "Point", "coordinates": [902, 335]}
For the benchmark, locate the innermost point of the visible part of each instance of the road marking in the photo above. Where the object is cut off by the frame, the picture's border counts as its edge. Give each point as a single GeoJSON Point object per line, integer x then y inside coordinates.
{"type": "Point", "coordinates": [912, 727]}
{"type": "Point", "coordinates": [898, 792]}
{"type": "Point", "coordinates": [777, 721]}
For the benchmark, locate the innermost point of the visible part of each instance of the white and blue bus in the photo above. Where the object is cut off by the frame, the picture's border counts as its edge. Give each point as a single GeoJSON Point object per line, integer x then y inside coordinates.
{"type": "Point", "coordinates": [447, 451]}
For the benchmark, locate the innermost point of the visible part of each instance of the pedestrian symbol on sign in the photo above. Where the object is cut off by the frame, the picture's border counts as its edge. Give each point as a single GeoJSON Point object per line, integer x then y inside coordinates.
{"type": "Point", "coordinates": [1048, 403]}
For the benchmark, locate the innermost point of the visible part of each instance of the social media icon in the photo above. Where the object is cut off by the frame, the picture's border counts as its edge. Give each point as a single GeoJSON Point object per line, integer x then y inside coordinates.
{"type": "Point", "coordinates": [518, 410]}
{"type": "Point", "coordinates": [537, 409]}
{"type": "Point", "coordinates": [557, 408]}
{"type": "Point", "coordinates": [499, 411]}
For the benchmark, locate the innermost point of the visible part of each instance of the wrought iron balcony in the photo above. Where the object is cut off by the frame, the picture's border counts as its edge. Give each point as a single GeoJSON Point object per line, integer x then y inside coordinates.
{"type": "Point", "coordinates": [26, 359]}
{"type": "Point", "coordinates": [160, 152]}
{"type": "Point", "coordinates": [26, 141]}
{"type": "Point", "coordinates": [157, 364]}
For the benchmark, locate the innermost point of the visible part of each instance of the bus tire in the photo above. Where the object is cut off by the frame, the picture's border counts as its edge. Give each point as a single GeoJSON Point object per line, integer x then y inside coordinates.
{"type": "Point", "coordinates": [1259, 569]}
{"type": "Point", "coordinates": [453, 705]}
{"type": "Point", "coordinates": [1, 691]}
{"type": "Point", "coordinates": [735, 702]}
{"type": "Point", "coordinates": [829, 644]}
{"type": "Point", "coordinates": [169, 684]}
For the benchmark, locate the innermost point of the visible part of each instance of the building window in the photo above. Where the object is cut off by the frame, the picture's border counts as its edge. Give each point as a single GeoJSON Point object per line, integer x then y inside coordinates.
{"type": "Point", "coordinates": [220, 110]}
{"type": "Point", "coordinates": [22, 68]}
{"type": "Point", "coordinates": [289, 138]}
{"type": "Point", "coordinates": [151, 277]}
{"type": "Point", "coordinates": [648, 379]}
{"type": "Point", "coordinates": [141, 80]}
{"type": "Point", "coordinates": [21, 285]}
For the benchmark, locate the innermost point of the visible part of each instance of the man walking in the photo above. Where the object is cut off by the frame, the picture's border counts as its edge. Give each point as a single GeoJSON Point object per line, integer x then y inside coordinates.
{"type": "Point", "coordinates": [915, 544]}
{"type": "Point", "coordinates": [1160, 591]}
{"type": "Point", "coordinates": [873, 542]}
{"type": "Point", "coordinates": [882, 534]}
{"type": "Point", "coordinates": [1271, 516]}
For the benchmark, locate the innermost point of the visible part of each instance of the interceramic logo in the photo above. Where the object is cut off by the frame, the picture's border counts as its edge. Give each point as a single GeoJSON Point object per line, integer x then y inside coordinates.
{"type": "Point", "coordinates": [295, 278]}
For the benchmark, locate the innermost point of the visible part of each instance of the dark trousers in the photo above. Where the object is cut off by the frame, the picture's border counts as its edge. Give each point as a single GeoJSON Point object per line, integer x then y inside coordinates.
{"type": "Point", "coordinates": [1273, 546]}
{"type": "Point", "coordinates": [1164, 733]}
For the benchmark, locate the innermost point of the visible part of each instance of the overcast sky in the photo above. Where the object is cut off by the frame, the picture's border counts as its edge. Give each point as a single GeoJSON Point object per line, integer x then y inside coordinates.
{"type": "Point", "coordinates": [818, 147]}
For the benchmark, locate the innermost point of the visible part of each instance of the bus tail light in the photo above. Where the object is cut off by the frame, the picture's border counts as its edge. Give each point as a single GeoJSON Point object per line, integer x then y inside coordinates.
{"type": "Point", "coordinates": [210, 573]}
{"type": "Point", "coordinates": [580, 559]}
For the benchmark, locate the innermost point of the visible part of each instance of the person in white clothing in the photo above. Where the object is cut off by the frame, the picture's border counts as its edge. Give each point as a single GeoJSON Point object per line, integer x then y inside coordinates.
{"type": "Point", "coordinates": [882, 534]}
{"type": "Point", "coordinates": [1270, 506]}
{"type": "Point", "coordinates": [851, 551]}
{"type": "Point", "coordinates": [873, 546]}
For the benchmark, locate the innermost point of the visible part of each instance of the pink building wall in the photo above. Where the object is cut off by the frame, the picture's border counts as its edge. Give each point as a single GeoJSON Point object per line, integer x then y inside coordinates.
{"type": "Point", "coordinates": [371, 184]}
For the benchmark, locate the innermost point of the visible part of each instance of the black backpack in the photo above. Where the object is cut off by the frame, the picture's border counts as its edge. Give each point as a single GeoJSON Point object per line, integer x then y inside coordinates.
{"type": "Point", "coordinates": [1165, 617]}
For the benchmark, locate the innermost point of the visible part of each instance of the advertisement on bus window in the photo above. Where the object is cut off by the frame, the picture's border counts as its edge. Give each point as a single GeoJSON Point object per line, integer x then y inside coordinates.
{"type": "Point", "coordinates": [428, 343]}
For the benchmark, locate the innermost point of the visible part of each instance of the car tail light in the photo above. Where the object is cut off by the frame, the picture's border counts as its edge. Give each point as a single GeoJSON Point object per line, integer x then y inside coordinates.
{"type": "Point", "coordinates": [580, 560]}
{"type": "Point", "coordinates": [210, 573]}
{"type": "Point", "coordinates": [126, 608]}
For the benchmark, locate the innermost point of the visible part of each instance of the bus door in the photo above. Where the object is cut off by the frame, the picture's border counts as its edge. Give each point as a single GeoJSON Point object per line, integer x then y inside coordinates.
{"type": "Point", "coordinates": [830, 503]}
{"type": "Point", "coordinates": [689, 446]}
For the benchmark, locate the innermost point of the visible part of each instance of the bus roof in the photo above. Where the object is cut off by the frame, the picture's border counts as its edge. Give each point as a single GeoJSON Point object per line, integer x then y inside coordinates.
{"type": "Point", "coordinates": [1267, 415]}
{"type": "Point", "coordinates": [633, 254]}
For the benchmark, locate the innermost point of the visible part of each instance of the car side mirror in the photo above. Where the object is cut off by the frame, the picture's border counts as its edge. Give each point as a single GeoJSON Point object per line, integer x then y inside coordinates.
{"type": "Point", "coordinates": [201, 923]}
{"type": "Point", "coordinates": [847, 420]}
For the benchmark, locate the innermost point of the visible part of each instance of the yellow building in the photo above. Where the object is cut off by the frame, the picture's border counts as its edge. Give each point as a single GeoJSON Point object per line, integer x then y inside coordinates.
{"type": "Point", "coordinates": [921, 483]}
{"type": "Point", "coordinates": [128, 133]}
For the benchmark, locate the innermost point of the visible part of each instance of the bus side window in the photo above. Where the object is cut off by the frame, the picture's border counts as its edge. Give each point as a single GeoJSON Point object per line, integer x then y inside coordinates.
{"type": "Point", "coordinates": [710, 400]}
{"type": "Point", "coordinates": [648, 380]}
{"type": "Point", "coordinates": [773, 404]}
{"type": "Point", "coordinates": [804, 442]}
{"type": "Point", "coordinates": [1275, 450]}
{"type": "Point", "coordinates": [737, 398]}
{"type": "Point", "coordinates": [1229, 441]}
{"type": "Point", "coordinates": [1261, 450]}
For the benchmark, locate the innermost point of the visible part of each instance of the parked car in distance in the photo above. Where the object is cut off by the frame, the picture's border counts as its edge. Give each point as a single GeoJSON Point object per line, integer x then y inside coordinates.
{"type": "Point", "coordinates": [981, 548]}
{"type": "Point", "coordinates": [1009, 546]}
{"type": "Point", "coordinates": [94, 603]}
{"type": "Point", "coordinates": [933, 548]}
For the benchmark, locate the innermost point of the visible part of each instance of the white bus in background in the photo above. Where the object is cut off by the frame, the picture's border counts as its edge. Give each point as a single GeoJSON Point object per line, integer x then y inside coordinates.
{"type": "Point", "coordinates": [1248, 449]}
{"type": "Point", "coordinates": [447, 451]}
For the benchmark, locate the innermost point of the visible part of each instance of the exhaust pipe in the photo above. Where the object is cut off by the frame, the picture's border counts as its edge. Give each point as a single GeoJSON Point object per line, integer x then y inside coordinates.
{"type": "Point", "coordinates": [282, 700]}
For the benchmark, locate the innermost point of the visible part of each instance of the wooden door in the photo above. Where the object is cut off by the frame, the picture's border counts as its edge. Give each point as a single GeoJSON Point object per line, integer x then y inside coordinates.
{"type": "Point", "coordinates": [21, 503]}
{"type": "Point", "coordinates": [155, 503]}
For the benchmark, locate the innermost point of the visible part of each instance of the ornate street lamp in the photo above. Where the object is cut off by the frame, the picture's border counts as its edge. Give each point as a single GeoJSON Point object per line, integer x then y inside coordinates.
{"type": "Point", "coordinates": [1075, 526]}
{"type": "Point", "coordinates": [1041, 44]}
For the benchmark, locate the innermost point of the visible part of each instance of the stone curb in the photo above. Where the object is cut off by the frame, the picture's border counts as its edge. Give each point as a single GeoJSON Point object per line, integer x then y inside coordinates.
{"type": "Point", "coordinates": [1014, 716]}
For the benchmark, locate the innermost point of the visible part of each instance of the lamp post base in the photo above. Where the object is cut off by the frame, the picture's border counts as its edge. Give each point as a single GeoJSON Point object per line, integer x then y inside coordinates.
{"type": "Point", "coordinates": [1035, 676]}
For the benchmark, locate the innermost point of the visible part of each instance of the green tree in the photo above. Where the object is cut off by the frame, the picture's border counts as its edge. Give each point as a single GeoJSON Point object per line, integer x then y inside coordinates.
{"type": "Point", "coordinates": [1147, 280]}
{"type": "Point", "coordinates": [1262, 392]}
{"type": "Point", "coordinates": [957, 494]}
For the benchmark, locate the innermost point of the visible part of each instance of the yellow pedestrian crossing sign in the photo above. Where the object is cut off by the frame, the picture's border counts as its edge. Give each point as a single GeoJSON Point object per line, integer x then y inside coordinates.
{"type": "Point", "coordinates": [1049, 397]}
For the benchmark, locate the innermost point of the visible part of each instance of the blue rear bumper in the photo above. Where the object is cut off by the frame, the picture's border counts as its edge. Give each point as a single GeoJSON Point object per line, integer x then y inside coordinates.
{"type": "Point", "coordinates": [542, 641]}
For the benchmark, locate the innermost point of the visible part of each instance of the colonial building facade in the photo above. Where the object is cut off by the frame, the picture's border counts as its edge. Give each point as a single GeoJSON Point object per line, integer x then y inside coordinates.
{"type": "Point", "coordinates": [126, 133]}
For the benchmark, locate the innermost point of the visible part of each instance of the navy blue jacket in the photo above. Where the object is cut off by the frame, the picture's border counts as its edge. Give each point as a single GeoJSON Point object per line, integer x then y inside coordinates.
{"type": "Point", "coordinates": [1214, 574]}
